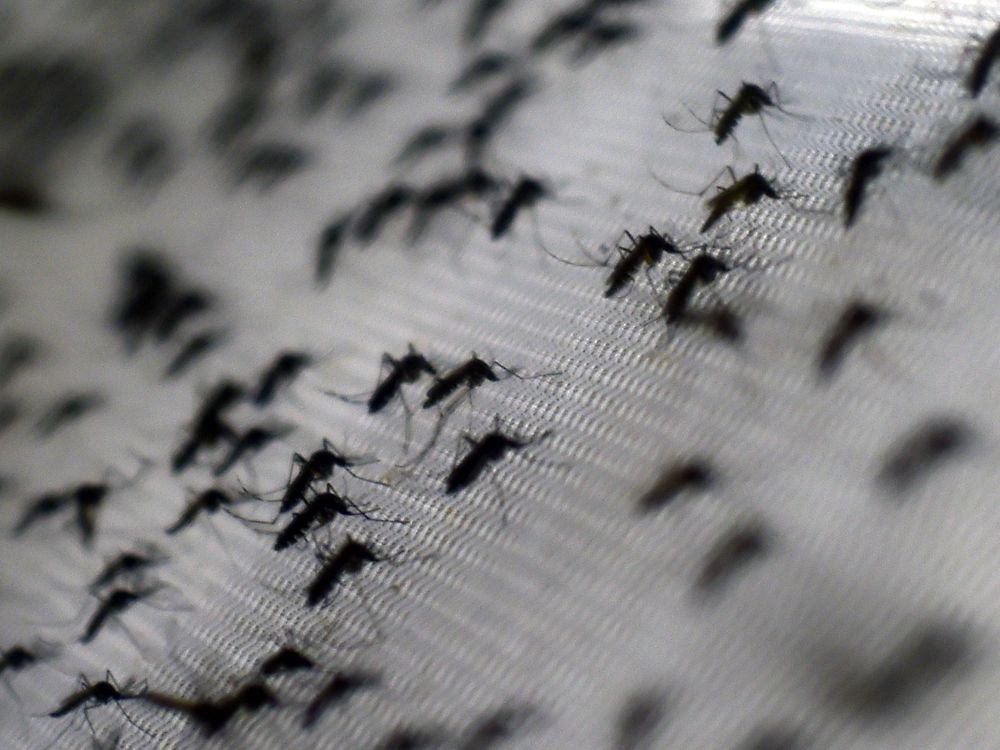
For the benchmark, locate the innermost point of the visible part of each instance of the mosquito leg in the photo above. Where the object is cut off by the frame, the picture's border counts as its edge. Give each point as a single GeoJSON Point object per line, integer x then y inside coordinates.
{"type": "Point", "coordinates": [767, 132]}
{"type": "Point", "coordinates": [701, 192]}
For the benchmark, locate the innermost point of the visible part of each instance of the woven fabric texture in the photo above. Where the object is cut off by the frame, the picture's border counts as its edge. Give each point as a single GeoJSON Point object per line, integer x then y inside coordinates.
{"type": "Point", "coordinates": [865, 612]}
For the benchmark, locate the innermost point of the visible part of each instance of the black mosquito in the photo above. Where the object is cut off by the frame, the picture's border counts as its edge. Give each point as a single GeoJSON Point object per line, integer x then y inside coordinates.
{"type": "Point", "coordinates": [751, 99]}
{"type": "Point", "coordinates": [737, 15]}
{"type": "Point", "coordinates": [859, 318]}
{"type": "Point", "coordinates": [602, 36]}
{"type": "Point", "coordinates": [721, 321]}
{"type": "Point", "coordinates": [448, 192]}
{"type": "Point", "coordinates": [116, 603]}
{"type": "Point", "coordinates": [735, 550]}
{"type": "Point", "coordinates": [89, 499]}
{"type": "Point", "coordinates": [186, 304]}
{"type": "Point", "coordinates": [482, 14]}
{"type": "Point", "coordinates": [237, 116]}
{"type": "Point", "coordinates": [693, 474]}
{"type": "Point", "coordinates": [253, 440]}
{"type": "Point", "coordinates": [427, 140]}
{"type": "Point", "coordinates": [524, 194]}
{"type": "Point", "coordinates": [86, 498]}
{"type": "Point", "coordinates": [496, 111]}
{"type": "Point", "coordinates": [602, 5]}
{"type": "Point", "coordinates": [484, 451]}
{"type": "Point", "coordinates": [92, 695]}
{"type": "Point", "coordinates": [744, 191]}
{"type": "Point", "coordinates": [772, 738]}
{"type": "Point", "coordinates": [380, 208]}
{"type": "Point", "coordinates": [321, 85]}
{"type": "Point", "coordinates": [24, 198]}
{"type": "Point", "coordinates": [148, 288]}
{"type": "Point", "coordinates": [347, 560]}
{"type": "Point", "coordinates": [701, 270]}
{"type": "Point", "coordinates": [41, 507]}
{"type": "Point", "coordinates": [197, 346]}
{"type": "Point", "coordinates": [143, 150]}
{"type": "Point", "coordinates": [130, 564]}
{"type": "Point", "coordinates": [412, 738]}
{"type": "Point", "coordinates": [280, 373]}
{"type": "Point", "coordinates": [16, 354]}
{"type": "Point", "coordinates": [365, 90]}
{"type": "Point", "coordinates": [68, 409]}
{"type": "Point", "coordinates": [469, 375]}
{"type": "Point", "coordinates": [318, 466]}
{"type": "Point", "coordinates": [284, 661]}
{"type": "Point", "coordinates": [988, 55]}
{"type": "Point", "coordinates": [648, 248]}
{"type": "Point", "coordinates": [640, 719]}
{"type": "Point", "coordinates": [406, 370]}
{"type": "Point", "coordinates": [208, 426]}
{"type": "Point", "coordinates": [18, 658]}
{"type": "Point", "coordinates": [924, 448]}
{"type": "Point", "coordinates": [212, 716]}
{"type": "Point", "coordinates": [10, 412]}
{"type": "Point", "coordinates": [268, 164]}
{"type": "Point", "coordinates": [497, 726]}
{"type": "Point", "coordinates": [339, 689]}
{"type": "Point", "coordinates": [482, 68]}
{"type": "Point", "coordinates": [564, 26]}
{"type": "Point", "coordinates": [331, 237]}
{"type": "Point", "coordinates": [978, 134]}
{"type": "Point", "coordinates": [207, 502]}
{"type": "Point", "coordinates": [927, 655]}
{"type": "Point", "coordinates": [320, 510]}
{"type": "Point", "coordinates": [865, 168]}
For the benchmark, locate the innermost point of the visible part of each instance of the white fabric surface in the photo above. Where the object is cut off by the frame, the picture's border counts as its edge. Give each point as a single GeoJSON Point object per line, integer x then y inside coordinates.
{"type": "Point", "coordinates": [576, 602]}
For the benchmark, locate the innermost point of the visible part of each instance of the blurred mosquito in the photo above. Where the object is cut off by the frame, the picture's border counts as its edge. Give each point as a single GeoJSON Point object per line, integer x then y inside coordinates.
{"type": "Point", "coordinates": [92, 695]}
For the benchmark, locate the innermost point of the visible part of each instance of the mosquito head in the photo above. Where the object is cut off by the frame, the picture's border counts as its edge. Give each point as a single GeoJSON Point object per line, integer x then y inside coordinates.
{"type": "Point", "coordinates": [862, 314]}
{"type": "Point", "coordinates": [756, 185]}
{"type": "Point", "coordinates": [104, 692]}
{"type": "Point", "coordinates": [132, 561]}
{"type": "Point", "coordinates": [655, 245]}
{"type": "Point", "coordinates": [213, 499]}
{"type": "Point", "coordinates": [223, 396]}
{"type": "Point", "coordinates": [49, 502]}
{"type": "Point", "coordinates": [495, 444]}
{"type": "Point", "coordinates": [983, 130]}
{"type": "Point", "coordinates": [707, 267]}
{"type": "Point", "coordinates": [260, 436]}
{"type": "Point", "coordinates": [478, 181]}
{"type": "Point", "coordinates": [289, 363]}
{"type": "Point", "coordinates": [18, 657]}
{"type": "Point", "coordinates": [756, 97]}
{"type": "Point", "coordinates": [414, 363]}
{"type": "Point", "coordinates": [89, 495]}
{"type": "Point", "coordinates": [481, 370]}
{"type": "Point", "coordinates": [357, 551]}
{"type": "Point", "coordinates": [121, 598]}
{"type": "Point", "coordinates": [145, 267]}
{"type": "Point", "coordinates": [531, 189]}
{"type": "Point", "coordinates": [869, 162]}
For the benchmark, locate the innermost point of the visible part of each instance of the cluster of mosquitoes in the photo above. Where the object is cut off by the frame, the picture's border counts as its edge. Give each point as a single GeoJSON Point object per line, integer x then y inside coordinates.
{"type": "Point", "coordinates": [157, 308]}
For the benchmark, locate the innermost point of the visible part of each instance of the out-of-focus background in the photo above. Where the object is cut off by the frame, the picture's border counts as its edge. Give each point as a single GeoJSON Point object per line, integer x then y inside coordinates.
{"type": "Point", "coordinates": [190, 189]}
